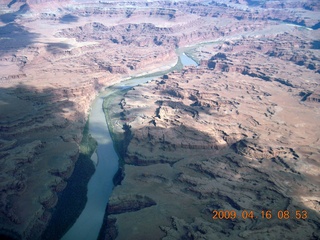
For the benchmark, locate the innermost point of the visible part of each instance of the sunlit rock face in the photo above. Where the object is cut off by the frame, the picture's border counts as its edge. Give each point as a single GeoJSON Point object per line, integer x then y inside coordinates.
{"type": "Point", "coordinates": [239, 132]}
{"type": "Point", "coordinates": [227, 135]}
{"type": "Point", "coordinates": [219, 140]}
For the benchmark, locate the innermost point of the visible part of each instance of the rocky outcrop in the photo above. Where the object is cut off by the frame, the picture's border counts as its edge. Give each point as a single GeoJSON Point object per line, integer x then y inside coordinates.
{"type": "Point", "coordinates": [221, 139]}
{"type": "Point", "coordinates": [28, 136]}
{"type": "Point", "coordinates": [34, 2]}
{"type": "Point", "coordinates": [138, 34]}
{"type": "Point", "coordinates": [128, 203]}
{"type": "Point", "coordinates": [110, 231]}
{"type": "Point", "coordinates": [314, 97]}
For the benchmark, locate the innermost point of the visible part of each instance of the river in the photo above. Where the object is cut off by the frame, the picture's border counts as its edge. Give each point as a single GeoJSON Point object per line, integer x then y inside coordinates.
{"type": "Point", "coordinates": [100, 186]}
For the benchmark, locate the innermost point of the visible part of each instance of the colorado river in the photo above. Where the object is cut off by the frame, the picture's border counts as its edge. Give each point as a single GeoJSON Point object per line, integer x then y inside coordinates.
{"type": "Point", "coordinates": [100, 186]}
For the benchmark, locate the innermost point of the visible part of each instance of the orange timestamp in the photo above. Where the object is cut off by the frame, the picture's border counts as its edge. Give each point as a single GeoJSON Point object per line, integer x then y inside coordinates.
{"type": "Point", "coordinates": [264, 214]}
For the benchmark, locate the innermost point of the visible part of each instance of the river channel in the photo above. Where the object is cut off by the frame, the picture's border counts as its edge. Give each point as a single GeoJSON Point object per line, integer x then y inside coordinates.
{"type": "Point", "coordinates": [100, 186]}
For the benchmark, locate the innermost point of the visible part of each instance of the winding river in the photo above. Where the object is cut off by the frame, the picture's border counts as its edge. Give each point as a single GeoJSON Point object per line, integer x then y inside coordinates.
{"type": "Point", "coordinates": [100, 186]}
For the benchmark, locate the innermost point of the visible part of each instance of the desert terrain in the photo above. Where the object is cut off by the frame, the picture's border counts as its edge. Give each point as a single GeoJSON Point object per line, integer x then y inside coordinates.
{"type": "Point", "coordinates": [238, 132]}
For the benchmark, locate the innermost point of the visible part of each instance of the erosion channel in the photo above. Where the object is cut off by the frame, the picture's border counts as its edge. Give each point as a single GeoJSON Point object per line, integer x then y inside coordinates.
{"type": "Point", "coordinates": [100, 185]}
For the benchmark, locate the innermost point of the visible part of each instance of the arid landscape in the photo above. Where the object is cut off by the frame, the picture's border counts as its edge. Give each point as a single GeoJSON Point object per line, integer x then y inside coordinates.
{"type": "Point", "coordinates": [239, 132]}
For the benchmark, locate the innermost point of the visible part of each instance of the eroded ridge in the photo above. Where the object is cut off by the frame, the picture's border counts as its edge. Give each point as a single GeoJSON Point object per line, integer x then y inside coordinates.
{"type": "Point", "coordinates": [227, 135]}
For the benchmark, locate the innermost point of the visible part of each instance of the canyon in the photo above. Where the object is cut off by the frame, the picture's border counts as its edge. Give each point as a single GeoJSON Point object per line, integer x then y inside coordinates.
{"type": "Point", "coordinates": [238, 132]}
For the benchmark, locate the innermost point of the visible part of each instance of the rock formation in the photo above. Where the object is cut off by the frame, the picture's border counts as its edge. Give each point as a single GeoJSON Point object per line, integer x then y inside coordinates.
{"type": "Point", "coordinates": [230, 134]}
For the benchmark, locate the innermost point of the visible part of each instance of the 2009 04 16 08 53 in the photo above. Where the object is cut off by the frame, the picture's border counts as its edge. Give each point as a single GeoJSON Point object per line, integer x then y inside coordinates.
{"type": "Point", "coordinates": [264, 214]}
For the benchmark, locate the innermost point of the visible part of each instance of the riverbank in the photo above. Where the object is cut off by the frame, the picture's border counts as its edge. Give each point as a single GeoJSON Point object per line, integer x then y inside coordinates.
{"type": "Point", "coordinates": [101, 184]}
{"type": "Point", "coordinates": [190, 142]}
{"type": "Point", "coordinates": [73, 199]}
{"type": "Point", "coordinates": [114, 97]}
{"type": "Point", "coordinates": [112, 118]}
{"type": "Point", "coordinates": [121, 133]}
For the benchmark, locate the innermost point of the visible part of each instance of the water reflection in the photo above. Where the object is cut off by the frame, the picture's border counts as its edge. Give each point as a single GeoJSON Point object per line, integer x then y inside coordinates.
{"type": "Point", "coordinates": [187, 61]}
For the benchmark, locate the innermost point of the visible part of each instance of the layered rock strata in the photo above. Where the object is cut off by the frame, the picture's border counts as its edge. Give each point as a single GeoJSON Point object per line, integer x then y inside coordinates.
{"type": "Point", "coordinates": [228, 135]}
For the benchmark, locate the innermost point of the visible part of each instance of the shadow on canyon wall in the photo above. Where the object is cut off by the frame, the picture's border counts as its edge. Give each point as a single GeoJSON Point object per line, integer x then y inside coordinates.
{"type": "Point", "coordinates": [256, 190]}
{"type": "Point", "coordinates": [11, 3]}
{"type": "Point", "coordinates": [29, 115]}
{"type": "Point", "coordinates": [241, 175]}
{"type": "Point", "coordinates": [56, 48]}
{"type": "Point", "coordinates": [68, 18]}
{"type": "Point", "coordinates": [72, 200]}
{"type": "Point", "coordinates": [315, 44]}
{"type": "Point", "coordinates": [14, 37]}
{"type": "Point", "coordinates": [10, 17]}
